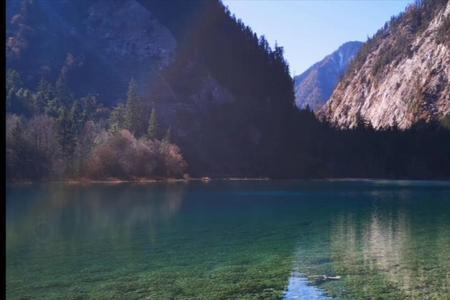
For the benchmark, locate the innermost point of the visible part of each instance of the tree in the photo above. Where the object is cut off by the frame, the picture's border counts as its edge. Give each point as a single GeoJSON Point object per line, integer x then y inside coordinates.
{"type": "Point", "coordinates": [24, 102]}
{"type": "Point", "coordinates": [13, 84]}
{"type": "Point", "coordinates": [78, 115]}
{"type": "Point", "coordinates": [134, 110]}
{"type": "Point", "coordinates": [19, 99]}
{"type": "Point", "coordinates": [117, 118]}
{"type": "Point", "coordinates": [152, 132]}
{"type": "Point", "coordinates": [58, 98]}
{"type": "Point", "coordinates": [40, 133]}
{"type": "Point", "coordinates": [91, 107]}
{"type": "Point", "coordinates": [14, 145]}
{"type": "Point", "coordinates": [85, 143]}
{"type": "Point", "coordinates": [24, 159]}
{"type": "Point", "coordinates": [66, 134]}
{"type": "Point", "coordinates": [44, 95]}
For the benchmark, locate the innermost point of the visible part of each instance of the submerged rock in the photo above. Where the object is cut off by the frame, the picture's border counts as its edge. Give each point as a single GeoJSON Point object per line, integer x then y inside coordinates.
{"type": "Point", "coordinates": [318, 279]}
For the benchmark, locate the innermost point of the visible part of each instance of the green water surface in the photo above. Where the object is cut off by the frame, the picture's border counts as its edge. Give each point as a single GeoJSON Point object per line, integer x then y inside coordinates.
{"type": "Point", "coordinates": [229, 240]}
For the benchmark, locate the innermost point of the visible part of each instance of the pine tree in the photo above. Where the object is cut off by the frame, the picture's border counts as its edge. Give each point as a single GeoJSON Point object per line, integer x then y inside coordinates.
{"type": "Point", "coordinates": [90, 106]}
{"type": "Point", "coordinates": [117, 118]}
{"type": "Point", "coordinates": [133, 121]}
{"type": "Point", "coordinates": [13, 84]}
{"type": "Point", "coordinates": [53, 107]}
{"type": "Point", "coordinates": [16, 96]}
{"type": "Point", "coordinates": [78, 116]}
{"type": "Point", "coordinates": [152, 132]}
{"type": "Point", "coordinates": [66, 133]}
{"type": "Point", "coordinates": [25, 100]}
{"type": "Point", "coordinates": [44, 94]}
{"type": "Point", "coordinates": [61, 97]}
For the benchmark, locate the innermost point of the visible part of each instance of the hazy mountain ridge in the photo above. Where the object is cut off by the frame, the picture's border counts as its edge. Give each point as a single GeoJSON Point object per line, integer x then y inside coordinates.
{"type": "Point", "coordinates": [314, 86]}
{"type": "Point", "coordinates": [108, 42]}
{"type": "Point", "coordinates": [401, 75]}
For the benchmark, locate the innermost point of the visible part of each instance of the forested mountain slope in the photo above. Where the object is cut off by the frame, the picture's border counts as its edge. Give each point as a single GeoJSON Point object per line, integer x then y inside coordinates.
{"type": "Point", "coordinates": [225, 95]}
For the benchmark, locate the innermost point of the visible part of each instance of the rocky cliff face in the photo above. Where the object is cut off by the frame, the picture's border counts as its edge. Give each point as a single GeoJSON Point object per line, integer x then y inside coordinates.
{"type": "Point", "coordinates": [314, 87]}
{"type": "Point", "coordinates": [401, 75]}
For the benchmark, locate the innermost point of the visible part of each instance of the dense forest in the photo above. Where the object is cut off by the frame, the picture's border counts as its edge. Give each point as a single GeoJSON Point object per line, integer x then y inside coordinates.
{"type": "Point", "coordinates": [50, 135]}
{"type": "Point", "coordinates": [223, 107]}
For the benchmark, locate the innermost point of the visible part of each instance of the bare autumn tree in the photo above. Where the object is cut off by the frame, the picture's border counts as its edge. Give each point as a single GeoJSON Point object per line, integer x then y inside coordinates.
{"type": "Point", "coordinates": [123, 156]}
{"type": "Point", "coordinates": [85, 144]}
{"type": "Point", "coordinates": [27, 156]}
{"type": "Point", "coordinates": [41, 134]}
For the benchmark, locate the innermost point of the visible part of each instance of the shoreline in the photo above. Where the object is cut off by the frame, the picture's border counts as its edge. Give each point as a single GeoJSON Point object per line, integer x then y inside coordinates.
{"type": "Point", "coordinates": [115, 181]}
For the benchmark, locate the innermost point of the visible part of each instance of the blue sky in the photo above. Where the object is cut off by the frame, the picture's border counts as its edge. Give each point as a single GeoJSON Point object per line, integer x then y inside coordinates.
{"type": "Point", "coordinates": [311, 29]}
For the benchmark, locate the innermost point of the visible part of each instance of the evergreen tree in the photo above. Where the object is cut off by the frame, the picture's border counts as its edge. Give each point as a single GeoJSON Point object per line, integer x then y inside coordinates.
{"type": "Point", "coordinates": [44, 94]}
{"type": "Point", "coordinates": [66, 133]}
{"type": "Point", "coordinates": [133, 119]}
{"type": "Point", "coordinates": [17, 96]}
{"type": "Point", "coordinates": [13, 84]}
{"type": "Point", "coordinates": [61, 98]}
{"type": "Point", "coordinates": [152, 132]}
{"type": "Point", "coordinates": [24, 103]}
{"type": "Point", "coordinates": [53, 107]}
{"type": "Point", "coordinates": [90, 107]}
{"type": "Point", "coordinates": [78, 116]}
{"type": "Point", "coordinates": [117, 118]}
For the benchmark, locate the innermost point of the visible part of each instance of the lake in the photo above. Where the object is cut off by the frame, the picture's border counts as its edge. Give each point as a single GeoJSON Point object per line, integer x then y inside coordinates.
{"type": "Point", "coordinates": [229, 240]}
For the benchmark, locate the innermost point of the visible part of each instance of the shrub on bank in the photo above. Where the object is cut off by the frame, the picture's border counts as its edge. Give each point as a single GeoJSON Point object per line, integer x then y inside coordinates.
{"type": "Point", "coordinates": [121, 155]}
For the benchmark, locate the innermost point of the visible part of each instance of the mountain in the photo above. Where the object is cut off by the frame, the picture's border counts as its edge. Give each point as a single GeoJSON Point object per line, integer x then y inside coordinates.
{"type": "Point", "coordinates": [132, 88]}
{"type": "Point", "coordinates": [401, 75]}
{"type": "Point", "coordinates": [96, 46]}
{"type": "Point", "coordinates": [226, 96]}
{"type": "Point", "coordinates": [314, 86]}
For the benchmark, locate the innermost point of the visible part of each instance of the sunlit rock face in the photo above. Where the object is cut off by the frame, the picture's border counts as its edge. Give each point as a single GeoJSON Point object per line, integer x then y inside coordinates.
{"type": "Point", "coordinates": [401, 75]}
{"type": "Point", "coordinates": [314, 87]}
{"type": "Point", "coordinates": [108, 43]}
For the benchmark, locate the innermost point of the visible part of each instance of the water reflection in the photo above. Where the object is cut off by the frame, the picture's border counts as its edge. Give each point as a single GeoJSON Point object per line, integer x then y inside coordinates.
{"type": "Point", "coordinates": [387, 240]}
{"type": "Point", "coordinates": [393, 252]}
{"type": "Point", "coordinates": [228, 241]}
{"type": "Point", "coordinates": [43, 217]}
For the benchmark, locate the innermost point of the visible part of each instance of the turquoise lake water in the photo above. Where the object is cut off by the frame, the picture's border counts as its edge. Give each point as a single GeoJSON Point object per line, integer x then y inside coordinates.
{"type": "Point", "coordinates": [229, 240]}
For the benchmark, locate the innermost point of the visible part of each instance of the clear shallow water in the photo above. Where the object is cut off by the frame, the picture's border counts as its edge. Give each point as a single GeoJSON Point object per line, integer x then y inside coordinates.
{"type": "Point", "coordinates": [229, 240]}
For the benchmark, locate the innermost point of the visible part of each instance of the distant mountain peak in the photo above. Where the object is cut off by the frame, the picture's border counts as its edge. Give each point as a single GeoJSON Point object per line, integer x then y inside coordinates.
{"type": "Point", "coordinates": [314, 86]}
